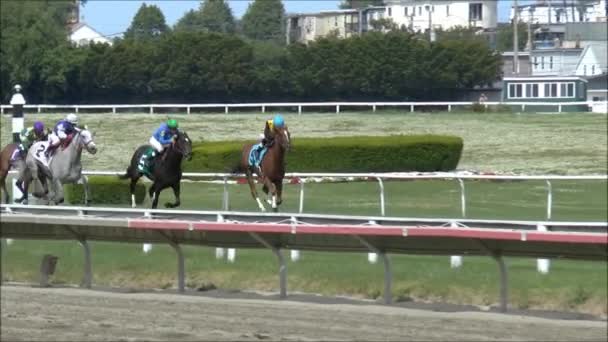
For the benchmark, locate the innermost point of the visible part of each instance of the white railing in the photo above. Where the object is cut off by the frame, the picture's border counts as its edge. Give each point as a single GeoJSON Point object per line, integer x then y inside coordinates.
{"type": "Point", "coordinates": [300, 105]}
{"type": "Point", "coordinates": [380, 178]}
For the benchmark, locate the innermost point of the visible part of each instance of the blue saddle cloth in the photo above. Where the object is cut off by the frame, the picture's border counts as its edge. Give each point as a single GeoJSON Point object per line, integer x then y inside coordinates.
{"type": "Point", "coordinates": [256, 155]}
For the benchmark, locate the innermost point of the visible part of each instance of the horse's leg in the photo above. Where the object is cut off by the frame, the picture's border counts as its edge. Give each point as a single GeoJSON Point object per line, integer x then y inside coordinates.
{"type": "Point", "coordinates": [132, 189]}
{"type": "Point", "coordinates": [87, 195]}
{"type": "Point", "coordinates": [5, 193]}
{"type": "Point", "coordinates": [279, 186]}
{"type": "Point", "coordinates": [57, 191]}
{"type": "Point", "coordinates": [176, 191]}
{"type": "Point", "coordinates": [154, 192]}
{"type": "Point", "coordinates": [254, 192]}
{"type": "Point", "coordinates": [272, 189]}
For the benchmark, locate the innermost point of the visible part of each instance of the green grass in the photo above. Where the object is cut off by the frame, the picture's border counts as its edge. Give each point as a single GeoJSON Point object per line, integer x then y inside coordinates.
{"type": "Point", "coordinates": [575, 286]}
{"type": "Point", "coordinates": [523, 143]}
{"type": "Point", "coordinates": [569, 143]}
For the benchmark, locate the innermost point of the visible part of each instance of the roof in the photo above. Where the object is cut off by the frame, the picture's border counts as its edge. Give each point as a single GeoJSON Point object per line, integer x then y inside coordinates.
{"type": "Point", "coordinates": [600, 51]}
{"type": "Point", "coordinates": [546, 78]}
{"type": "Point", "coordinates": [79, 25]}
{"type": "Point", "coordinates": [586, 31]}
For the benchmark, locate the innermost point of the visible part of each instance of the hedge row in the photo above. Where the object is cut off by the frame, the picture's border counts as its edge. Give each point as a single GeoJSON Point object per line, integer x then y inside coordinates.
{"type": "Point", "coordinates": [105, 190]}
{"type": "Point", "coordinates": [424, 153]}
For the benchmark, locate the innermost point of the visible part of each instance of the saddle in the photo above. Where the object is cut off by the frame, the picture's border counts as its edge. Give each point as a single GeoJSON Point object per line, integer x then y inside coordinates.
{"type": "Point", "coordinates": [256, 154]}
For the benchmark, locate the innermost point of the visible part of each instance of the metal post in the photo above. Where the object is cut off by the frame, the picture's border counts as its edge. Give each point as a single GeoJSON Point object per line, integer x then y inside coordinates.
{"type": "Point", "coordinates": [382, 209]}
{"type": "Point", "coordinates": [225, 198]}
{"type": "Point", "coordinates": [188, 110]}
{"type": "Point", "coordinates": [542, 265]}
{"type": "Point", "coordinates": [449, 108]}
{"type": "Point", "coordinates": [282, 265]}
{"type": "Point", "coordinates": [88, 274]}
{"type": "Point", "coordinates": [559, 108]}
{"type": "Point", "coordinates": [388, 274]}
{"type": "Point", "coordinates": [515, 38]}
{"type": "Point", "coordinates": [263, 109]}
{"type": "Point", "coordinates": [181, 273]}
{"type": "Point", "coordinates": [337, 109]}
{"type": "Point", "coordinates": [299, 110]}
{"type": "Point", "coordinates": [411, 108]}
{"type": "Point", "coordinates": [225, 109]}
{"type": "Point", "coordinates": [503, 282]}
{"type": "Point", "coordinates": [301, 208]}
{"type": "Point", "coordinates": [463, 205]}
{"type": "Point", "coordinates": [549, 199]}
{"type": "Point", "coordinates": [374, 108]}
{"type": "Point", "coordinates": [113, 110]}
{"type": "Point", "coordinates": [151, 109]}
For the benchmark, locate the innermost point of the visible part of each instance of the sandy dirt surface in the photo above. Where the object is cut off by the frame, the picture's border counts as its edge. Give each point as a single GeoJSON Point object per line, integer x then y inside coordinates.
{"type": "Point", "coordinates": [63, 314]}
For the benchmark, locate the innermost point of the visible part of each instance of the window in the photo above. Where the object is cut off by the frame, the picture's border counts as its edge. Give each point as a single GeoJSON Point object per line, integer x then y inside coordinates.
{"type": "Point", "coordinates": [515, 90]}
{"type": "Point", "coordinates": [405, 10]}
{"type": "Point", "coordinates": [551, 89]}
{"type": "Point", "coordinates": [585, 69]}
{"type": "Point", "coordinates": [433, 9]}
{"type": "Point", "coordinates": [570, 91]}
{"type": "Point", "coordinates": [550, 62]}
{"type": "Point", "coordinates": [475, 12]}
{"type": "Point", "coordinates": [531, 89]}
{"type": "Point", "coordinates": [535, 62]}
{"type": "Point", "coordinates": [390, 12]}
{"type": "Point", "coordinates": [562, 89]}
{"type": "Point", "coordinates": [542, 63]}
{"type": "Point", "coordinates": [593, 69]}
{"type": "Point", "coordinates": [419, 10]}
{"type": "Point", "coordinates": [447, 10]}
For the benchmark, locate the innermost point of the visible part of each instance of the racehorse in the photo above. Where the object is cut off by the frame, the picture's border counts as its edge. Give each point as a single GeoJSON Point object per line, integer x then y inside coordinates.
{"type": "Point", "coordinates": [10, 156]}
{"type": "Point", "coordinates": [166, 170]}
{"type": "Point", "coordinates": [64, 167]}
{"type": "Point", "coordinates": [272, 169]}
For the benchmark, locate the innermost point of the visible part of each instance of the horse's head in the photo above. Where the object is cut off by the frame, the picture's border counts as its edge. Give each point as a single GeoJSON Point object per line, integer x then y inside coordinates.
{"type": "Point", "coordinates": [283, 138]}
{"type": "Point", "coordinates": [86, 140]}
{"type": "Point", "coordinates": [183, 145]}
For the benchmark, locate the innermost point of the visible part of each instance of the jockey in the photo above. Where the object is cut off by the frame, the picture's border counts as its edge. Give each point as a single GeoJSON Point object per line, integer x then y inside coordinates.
{"type": "Point", "coordinates": [163, 136]}
{"type": "Point", "coordinates": [270, 131]}
{"type": "Point", "coordinates": [30, 135]}
{"type": "Point", "coordinates": [62, 130]}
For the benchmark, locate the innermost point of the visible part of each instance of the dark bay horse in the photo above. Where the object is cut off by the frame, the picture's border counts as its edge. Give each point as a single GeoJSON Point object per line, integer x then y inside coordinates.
{"type": "Point", "coordinates": [272, 167]}
{"type": "Point", "coordinates": [5, 165]}
{"type": "Point", "coordinates": [167, 169]}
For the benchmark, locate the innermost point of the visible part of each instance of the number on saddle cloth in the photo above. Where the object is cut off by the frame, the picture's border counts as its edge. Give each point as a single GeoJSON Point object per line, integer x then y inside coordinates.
{"type": "Point", "coordinates": [256, 155]}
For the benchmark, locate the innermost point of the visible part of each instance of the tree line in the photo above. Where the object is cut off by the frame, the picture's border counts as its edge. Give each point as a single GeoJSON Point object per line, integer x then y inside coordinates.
{"type": "Point", "coordinates": [209, 57]}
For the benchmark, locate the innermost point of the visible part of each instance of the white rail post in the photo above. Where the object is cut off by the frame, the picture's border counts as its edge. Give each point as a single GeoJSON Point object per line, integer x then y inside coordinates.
{"type": "Point", "coordinates": [113, 110]}
{"type": "Point", "coordinates": [543, 265]}
{"type": "Point", "coordinates": [559, 108]}
{"type": "Point", "coordinates": [411, 108]}
{"type": "Point", "coordinates": [151, 109]}
{"type": "Point", "coordinates": [456, 260]}
{"type": "Point", "coordinates": [301, 207]}
{"type": "Point", "coordinates": [231, 257]}
{"type": "Point", "coordinates": [225, 198]}
{"type": "Point", "coordinates": [337, 109]}
{"type": "Point", "coordinates": [263, 109]}
{"type": "Point", "coordinates": [38, 109]}
{"type": "Point", "coordinates": [75, 108]}
{"type": "Point", "coordinates": [294, 254]}
{"type": "Point", "coordinates": [188, 110]}
{"type": "Point", "coordinates": [374, 108]}
{"type": "Point", "coordinates": [449, 108]}
{"type": "Point", "coordinates": [225, 109]}
{"type": "Point", "coordinates": [219, 251]}
{"type": "Point", "coordinates": [381, 184]}
{"type": "Point", "coordinates": [372, 257]}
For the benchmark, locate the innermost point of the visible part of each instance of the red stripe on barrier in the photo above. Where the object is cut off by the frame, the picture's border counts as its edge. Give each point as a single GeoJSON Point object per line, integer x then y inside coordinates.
{"type": "Point", "coordinates": [350, 230]}
{"type": "Point", "coordinates": [464, 233]}
{"type": "Point", "coordinates": [567, 238]}
{"type": "Point", "coordinates": [237, 227]}
{"type": "Point", "coordinates": [158, 224]}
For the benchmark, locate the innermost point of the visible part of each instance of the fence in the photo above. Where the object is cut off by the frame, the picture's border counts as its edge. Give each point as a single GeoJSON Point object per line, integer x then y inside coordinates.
{"type": "Point", "coordinates": [299, 105]}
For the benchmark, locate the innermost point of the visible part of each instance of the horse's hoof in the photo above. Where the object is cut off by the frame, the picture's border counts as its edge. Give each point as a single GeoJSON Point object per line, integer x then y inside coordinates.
{"type": "Point", "coordinates": [275, 209]}
{"type": "Point", "coordinates": [25, 202]}
{"type": "Point", "coordinates": [19, 200]}
{"type": "Point", "coordinates": [169, 205]}
{"type": "Point", "coordinates": [87, 203]}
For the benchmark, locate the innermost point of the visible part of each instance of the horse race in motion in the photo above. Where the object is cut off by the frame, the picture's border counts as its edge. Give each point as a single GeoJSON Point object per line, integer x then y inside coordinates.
{"type": "Point", "coordinates": [268, 165]}
{"type": "Point", "coordinates": [63, 167]}
{"type": "Point", "coordinates": [166, 170]}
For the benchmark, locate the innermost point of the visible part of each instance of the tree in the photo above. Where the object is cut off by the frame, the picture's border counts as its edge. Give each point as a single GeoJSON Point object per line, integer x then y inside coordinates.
{"type": "Point", "coordinates": [264, 20]}
{"type": "Point", "coordinates": [191, 21]}
{"type": "Point", "coordinates": [346, 4]}
{"type": "Point", "coordinates": [504, 36]}
{"type": "Point", "coordinates": [149, 22]}
{"type": "Point", "coordinates": [216, 16]}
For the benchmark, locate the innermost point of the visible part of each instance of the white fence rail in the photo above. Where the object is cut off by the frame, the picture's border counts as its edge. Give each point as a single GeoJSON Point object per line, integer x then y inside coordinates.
{"type": "Point", "coordinates": [150, 107]}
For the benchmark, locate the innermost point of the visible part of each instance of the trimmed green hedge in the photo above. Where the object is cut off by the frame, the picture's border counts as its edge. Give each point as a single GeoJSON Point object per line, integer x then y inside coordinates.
{"type": "Point", "coordinates": [400, 153]}
{"type": "Point", "coordinates": [105, 190]}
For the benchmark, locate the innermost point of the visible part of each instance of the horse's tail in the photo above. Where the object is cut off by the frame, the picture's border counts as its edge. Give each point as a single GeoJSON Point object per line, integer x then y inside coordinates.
{"type": "Point", "coordinates": [127, 174]}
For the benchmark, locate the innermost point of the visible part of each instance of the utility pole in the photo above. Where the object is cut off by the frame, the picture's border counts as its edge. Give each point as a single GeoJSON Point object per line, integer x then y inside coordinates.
{"type": "Point", "coordinates": [431, 34]}
{"type": "Point", "coordinates": [549, 12]}
{"type": "Point", "coordinates": [515, 38]}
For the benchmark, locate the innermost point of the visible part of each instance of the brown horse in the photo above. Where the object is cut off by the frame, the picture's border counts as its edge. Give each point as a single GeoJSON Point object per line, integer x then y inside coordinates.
{"type": "Point", "coordinates": [19, 164]}
{"type": "Point", "coordinates": [272, 169]}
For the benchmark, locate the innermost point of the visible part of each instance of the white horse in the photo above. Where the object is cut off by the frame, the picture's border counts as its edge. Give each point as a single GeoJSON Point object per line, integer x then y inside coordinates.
{"type": "Point", "coordinates": [64, 167]}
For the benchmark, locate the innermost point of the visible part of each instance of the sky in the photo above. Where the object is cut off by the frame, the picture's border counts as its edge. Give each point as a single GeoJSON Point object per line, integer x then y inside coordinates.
{"type": "Point", "coordinates": [112, 17]}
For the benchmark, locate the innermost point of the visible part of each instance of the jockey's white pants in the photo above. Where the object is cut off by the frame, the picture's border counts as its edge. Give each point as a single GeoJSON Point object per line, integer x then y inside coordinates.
{"type": "Point", "coordinates": [261, 137]}
{"type": "Point", "coordinates": [54, 140]}
{"type": "Point", "coordinates": [156, 144]}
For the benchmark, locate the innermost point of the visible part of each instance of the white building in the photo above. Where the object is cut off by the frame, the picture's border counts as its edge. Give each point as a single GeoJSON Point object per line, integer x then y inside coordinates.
{"type": "Point", "coordinates": [561, 11]}
{"type": "Point", "coordinates": [418, 15]}
{"type": "Point", "coordinates": [83, 34]}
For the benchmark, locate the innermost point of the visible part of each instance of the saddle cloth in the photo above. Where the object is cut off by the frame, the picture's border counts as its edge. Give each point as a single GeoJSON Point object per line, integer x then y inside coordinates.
{"type": "Point", "coordinates": [39, 149]}
{"type": "Point", "coordinates": [255, 157]}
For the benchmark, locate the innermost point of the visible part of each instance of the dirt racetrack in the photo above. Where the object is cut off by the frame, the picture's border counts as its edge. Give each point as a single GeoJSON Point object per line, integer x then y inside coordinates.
{"type": "Point", "coordinates": [62, 314]}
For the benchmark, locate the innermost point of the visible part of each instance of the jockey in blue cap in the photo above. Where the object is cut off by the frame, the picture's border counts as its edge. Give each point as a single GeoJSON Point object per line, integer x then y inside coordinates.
{"type": "Point", "coordinates": [62, 130]}
{"type": "Point", "coordinates": [270, 129]}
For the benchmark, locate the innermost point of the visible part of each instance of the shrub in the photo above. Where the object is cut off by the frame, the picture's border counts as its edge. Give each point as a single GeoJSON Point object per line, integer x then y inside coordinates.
{"type": "Point", "coordinates": [400, 153]}
{"type": "Point", "coordinates": [105, 190]}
